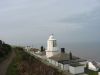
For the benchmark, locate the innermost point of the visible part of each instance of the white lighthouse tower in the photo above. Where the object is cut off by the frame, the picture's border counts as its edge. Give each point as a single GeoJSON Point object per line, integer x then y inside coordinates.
{"type": "Point", "coordinates": [51, 47]}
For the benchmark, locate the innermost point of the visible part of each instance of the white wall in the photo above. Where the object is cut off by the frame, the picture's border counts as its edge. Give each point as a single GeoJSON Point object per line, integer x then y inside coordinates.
{"type": "Point", "coordinates": [62, 66]}
{"type": "Point", "coordinates": [92, 67]}
{"type": "Point", "coordinates": [49, 60]}
{"type": "Point", "coordinates": [66, 67]}
{"type": "Point", "coordinates": [76, 70]}
{"type": "Point", "coordinates": [54, 62]}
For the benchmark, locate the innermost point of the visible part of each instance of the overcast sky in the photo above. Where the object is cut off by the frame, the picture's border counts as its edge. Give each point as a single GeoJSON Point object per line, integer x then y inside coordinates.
{"type": "Point", "coordinates": [32, 21]}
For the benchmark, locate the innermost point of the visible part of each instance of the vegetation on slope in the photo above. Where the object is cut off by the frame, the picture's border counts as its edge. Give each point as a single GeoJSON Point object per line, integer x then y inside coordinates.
{"type": "Point", "coordinates": [24, 64]}
{"type": "Point", "coordinates": [5, 49]}
{"type": "Point", "coordinates": [90, 72]}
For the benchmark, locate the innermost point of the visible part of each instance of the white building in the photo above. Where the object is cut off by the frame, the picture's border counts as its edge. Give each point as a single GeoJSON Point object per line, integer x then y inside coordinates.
{"type": "Point", "coordinates": [51, 47]}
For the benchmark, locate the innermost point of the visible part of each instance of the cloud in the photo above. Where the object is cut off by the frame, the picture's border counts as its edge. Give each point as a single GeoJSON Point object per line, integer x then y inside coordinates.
{"type": "Point", "coordinates": [91, 19]}
{"type": "Point", "coordinates": [40, 18]}
{"type": "Point", "coordinates": [89, 23]}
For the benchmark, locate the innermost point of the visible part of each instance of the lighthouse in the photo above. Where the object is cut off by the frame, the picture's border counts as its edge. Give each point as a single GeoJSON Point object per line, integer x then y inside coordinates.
{"type": "Point", "coordinates": [51, 47]}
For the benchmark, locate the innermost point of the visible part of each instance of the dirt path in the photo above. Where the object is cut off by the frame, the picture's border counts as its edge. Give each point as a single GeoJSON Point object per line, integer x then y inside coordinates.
{"type": "Point", "coordinates": [4, 65]}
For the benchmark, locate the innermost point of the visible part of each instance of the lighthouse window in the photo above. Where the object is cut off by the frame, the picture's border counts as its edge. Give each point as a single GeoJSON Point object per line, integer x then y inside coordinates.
{"type": "Point", "coordinates": [54, 43]}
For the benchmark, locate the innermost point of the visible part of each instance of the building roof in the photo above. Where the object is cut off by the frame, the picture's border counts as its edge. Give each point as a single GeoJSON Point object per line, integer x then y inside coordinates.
{"type": "Point", "coordinates": [65, 59]}
{"type": "Point", "coordinates": [62, 57]}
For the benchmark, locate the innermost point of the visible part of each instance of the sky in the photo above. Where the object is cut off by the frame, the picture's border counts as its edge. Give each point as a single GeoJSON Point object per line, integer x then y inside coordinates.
{"type": "Point", "coordinates": [33, 21]}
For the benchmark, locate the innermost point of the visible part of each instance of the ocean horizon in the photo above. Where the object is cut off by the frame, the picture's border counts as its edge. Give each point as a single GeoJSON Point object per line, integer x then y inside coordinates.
{"type": "Point", "coordinates": [89, 51]}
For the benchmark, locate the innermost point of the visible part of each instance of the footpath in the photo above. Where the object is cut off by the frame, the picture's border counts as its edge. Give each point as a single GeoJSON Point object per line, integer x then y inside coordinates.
{"type": "Point", "coordinates": [4, 65]}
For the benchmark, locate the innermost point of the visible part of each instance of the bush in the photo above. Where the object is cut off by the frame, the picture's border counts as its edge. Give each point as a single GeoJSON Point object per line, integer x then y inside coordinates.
{"type": "Point", "coordinates": [5, 49]}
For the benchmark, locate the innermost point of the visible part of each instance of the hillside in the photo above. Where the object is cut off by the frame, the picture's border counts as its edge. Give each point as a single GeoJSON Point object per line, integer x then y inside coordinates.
{"type": "Point", "coordinates": [24, 64]}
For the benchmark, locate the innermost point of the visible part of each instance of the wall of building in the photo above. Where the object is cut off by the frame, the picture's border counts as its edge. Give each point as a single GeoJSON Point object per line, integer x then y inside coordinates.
{"type": "Point", "coordinates": [66, 67]}
{"type": "Point", "coordinates": [60, 66]}
{"type": "Point", "coordinates": [76, 70]}
{"type": "Point", "coordinates": [49, 60]}
{"type": "Point", "coordinates": [54, 62]}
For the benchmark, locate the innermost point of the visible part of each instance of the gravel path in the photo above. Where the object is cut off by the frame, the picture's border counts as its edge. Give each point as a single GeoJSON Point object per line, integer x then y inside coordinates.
{"type": "Point", "coordinates": [4, 65]}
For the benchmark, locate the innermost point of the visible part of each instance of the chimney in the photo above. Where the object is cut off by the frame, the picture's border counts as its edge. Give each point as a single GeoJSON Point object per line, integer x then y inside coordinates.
{"type": "Point", "coordinates": [62, 50]}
